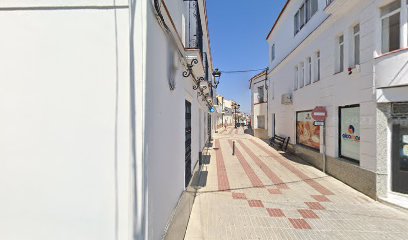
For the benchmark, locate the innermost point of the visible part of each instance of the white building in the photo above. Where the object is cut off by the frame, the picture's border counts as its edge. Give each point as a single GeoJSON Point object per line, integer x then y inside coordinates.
{"type": "Point", "coordinates": [351, 57]}
{"type": "Point", "coordinates": [225, 112]}
{"type": "Point", "coordinates": [105, 109]}
{"type": "Point", "coordinates": [259, 105]}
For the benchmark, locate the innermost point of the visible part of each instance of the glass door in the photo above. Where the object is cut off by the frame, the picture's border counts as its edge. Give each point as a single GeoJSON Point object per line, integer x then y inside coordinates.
{"type": "Point", "coordinates": [400, 158]}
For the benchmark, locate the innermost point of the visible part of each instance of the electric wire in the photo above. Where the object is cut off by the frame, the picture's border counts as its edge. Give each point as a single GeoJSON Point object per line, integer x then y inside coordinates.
{"type": "Point", "coordinates": [244, 71]}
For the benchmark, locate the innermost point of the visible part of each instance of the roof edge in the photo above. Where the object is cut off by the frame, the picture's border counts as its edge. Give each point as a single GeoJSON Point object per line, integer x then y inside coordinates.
{"type": "Point", "coordinates": [277, 20]}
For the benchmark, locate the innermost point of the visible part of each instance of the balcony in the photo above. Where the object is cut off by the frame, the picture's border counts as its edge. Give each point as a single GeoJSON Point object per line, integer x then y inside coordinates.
{"type": "Point", "coordinates": [194, 45]}
{"type": "Point", "coordinates": [391, 69]}
{"type": "Point", "coordinates": [194, 29]}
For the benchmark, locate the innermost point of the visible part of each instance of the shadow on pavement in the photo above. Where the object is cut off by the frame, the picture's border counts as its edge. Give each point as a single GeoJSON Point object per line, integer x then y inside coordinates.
{"type": "Point", "coordinates": [249, 131]}
{"type": "Point", "coordinates": [199, 179]}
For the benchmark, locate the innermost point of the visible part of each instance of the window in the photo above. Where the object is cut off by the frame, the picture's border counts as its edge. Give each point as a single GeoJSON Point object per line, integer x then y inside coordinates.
{"type": "Point", "coordinates": [296, 20]}
{"type": "Point", "coordinates": [307, 134]}
{"type": "Point", "coordinates": [302, 75]}
{"type": "Point", "coordinates": [273, 52]}
{"type": "Point", "coordinates": [308, 8]}
{"type": "Point", "coordinates": [317, 67]}
{"type": "Point", "coordinates": [261, 122]}
{"type": "Point", "coordinates": [390, 27]}
{"type": "Point", "coordinates": [296, 83]}
{"type": "Point", "coordinates": [315, 6]}
{"type": "Point", "coordinates": [302, 16]}
{"type": "Point", "coordinates": [328, 2]}
{"type": "Point", "coordinates": [309, 71]}
{"type": "Point", "coordinates": [356, 43]}
{"type": "Point", "coordinates": [261, 94]}
{"type": "Point", "coordinates": [340, 66]}
{"type": "Point", "coordinates": [349, 132]}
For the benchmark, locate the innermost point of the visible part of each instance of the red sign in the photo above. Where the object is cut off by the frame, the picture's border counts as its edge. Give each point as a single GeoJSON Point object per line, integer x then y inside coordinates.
{"type": "Point", "coordinates": [319, 114]}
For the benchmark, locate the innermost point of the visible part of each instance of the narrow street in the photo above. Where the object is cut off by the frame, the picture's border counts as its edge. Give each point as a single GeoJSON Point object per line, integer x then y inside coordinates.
{"type": "Point", "coordinates": [260, 193]}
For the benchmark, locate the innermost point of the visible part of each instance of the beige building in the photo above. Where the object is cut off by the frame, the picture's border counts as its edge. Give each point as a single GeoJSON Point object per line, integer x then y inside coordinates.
{"type": "Point", "coordinates": [259, 105]}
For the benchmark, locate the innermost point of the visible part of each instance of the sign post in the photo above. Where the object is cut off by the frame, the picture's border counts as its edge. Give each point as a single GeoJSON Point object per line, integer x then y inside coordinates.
{"type": "Point", "coordinates": [319, 114]}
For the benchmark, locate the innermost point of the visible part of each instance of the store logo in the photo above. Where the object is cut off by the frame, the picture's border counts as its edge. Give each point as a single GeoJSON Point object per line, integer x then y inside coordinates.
{"type": "Point", "coordinates": [350, 134]}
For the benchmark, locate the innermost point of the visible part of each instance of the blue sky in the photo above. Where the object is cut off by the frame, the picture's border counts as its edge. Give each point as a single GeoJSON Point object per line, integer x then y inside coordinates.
{"type": "Point", "coordinates": [238, 30]}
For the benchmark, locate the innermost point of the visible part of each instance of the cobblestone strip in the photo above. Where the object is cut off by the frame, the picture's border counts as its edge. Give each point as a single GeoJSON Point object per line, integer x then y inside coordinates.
{"type": "Point", "coordinates": [317, 186]}
{"type": "Point", "coordinates": [256, 182]}
{"type": "Point", "coordinates": [223, 183]}
{"type": "Point", "coordinates": [268, 172]}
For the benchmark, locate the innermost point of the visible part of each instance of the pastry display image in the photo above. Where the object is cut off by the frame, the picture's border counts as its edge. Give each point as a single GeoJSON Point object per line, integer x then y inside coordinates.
{"type": "Point", "coordinates": [308, 134]}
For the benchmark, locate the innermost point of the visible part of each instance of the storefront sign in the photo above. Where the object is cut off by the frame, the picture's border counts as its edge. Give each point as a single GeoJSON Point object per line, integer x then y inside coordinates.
{"type": "Point", "coordinates": [317, 123]}
{"type": "Point", "coordinates": [307, 133]}
{"type": "Point", "coordinates": [350, 132]}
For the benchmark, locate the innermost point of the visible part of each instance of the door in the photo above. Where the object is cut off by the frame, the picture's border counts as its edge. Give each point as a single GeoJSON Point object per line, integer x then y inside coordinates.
{"type": "Point", "coordinates": [209, 127]}
{"type": "Point", "coordinates": [400, 158]}
{"type": "Point", "coordinates": [187, 172]}
{"type": "Point", "coordinates": [273, 125]}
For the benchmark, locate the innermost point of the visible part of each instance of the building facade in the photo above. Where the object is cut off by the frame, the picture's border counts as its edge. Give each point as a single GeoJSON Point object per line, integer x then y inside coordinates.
{"type": "Point", "coordinates": [225, 112]}
{"type": "Point", "coordinates": [350, 57]}
{"type": "Point", "coordinates": [106, 110]}
{"type": "Point", "coordinates": [259, 105]}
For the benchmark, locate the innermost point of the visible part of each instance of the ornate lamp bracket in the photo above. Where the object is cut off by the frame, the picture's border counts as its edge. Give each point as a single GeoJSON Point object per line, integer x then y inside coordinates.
{"type": "Point", "coordinates": [200, 79]}
{"type": "Point", "coordinates": [189, 69]}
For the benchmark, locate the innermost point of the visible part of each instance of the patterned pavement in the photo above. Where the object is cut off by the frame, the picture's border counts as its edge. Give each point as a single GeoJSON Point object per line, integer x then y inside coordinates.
{"type": "Point", "coordinates": [260, 194]}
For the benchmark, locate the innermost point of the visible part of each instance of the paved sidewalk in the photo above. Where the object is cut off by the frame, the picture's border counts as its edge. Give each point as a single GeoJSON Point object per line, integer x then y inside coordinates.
{"type": "Point", "coordinates": [259, 194]}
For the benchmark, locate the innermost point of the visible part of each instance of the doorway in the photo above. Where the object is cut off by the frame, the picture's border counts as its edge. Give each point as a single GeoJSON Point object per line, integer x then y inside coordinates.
{"type": "Point", "coordinates": [187, 167]}
{"type": "Point", "coordinates": [400, 158]}
{"type": "Point", "coordinates": [273, 125]}
{"type": "Point", "coordinates": [209, 127]}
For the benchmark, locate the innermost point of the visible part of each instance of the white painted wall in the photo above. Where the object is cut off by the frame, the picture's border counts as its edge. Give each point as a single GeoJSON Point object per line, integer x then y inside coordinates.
{"type": "Point", "coordinates": [66, 131]}
{"type": "Point", "coordinates": [165, 125]}
{"type": "Point", "coordinates": [333, 90]}
{"type": "Point", "coordinates": [63, 107]}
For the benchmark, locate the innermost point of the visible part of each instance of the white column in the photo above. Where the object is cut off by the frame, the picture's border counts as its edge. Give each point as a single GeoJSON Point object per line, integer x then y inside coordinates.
{"type": "Point", "coordinates": [404, 24]}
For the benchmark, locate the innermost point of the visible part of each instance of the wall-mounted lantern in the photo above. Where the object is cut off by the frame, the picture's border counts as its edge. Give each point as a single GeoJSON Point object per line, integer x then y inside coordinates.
{"type": "Point", "coordinates": [217, 75]}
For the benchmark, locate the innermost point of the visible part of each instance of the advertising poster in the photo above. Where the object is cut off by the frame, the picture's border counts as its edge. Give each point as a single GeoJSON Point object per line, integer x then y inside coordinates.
{"type": "Point", "coordinates": [350, 132]}
{"type": "Point", "coordinates": [307, 134]}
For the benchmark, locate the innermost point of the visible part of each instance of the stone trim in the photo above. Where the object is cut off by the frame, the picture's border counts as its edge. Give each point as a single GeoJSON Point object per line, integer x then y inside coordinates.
{"type": "Point", "coordinates": [349, 173]}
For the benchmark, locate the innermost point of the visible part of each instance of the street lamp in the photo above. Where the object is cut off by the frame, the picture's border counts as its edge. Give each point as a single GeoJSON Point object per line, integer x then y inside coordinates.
{"type": "Point", "coordinates": [217, 75]}
{"type": "Point", "coordinates": [235, 106]}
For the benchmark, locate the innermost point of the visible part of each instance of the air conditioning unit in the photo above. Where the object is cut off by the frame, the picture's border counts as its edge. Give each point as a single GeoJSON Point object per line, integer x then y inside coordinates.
{"type": "Point", "coordinates": [287, 99]}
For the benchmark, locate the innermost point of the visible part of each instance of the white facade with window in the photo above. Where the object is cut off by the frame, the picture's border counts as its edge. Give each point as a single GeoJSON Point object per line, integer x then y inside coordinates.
{"type": "Point", "coordinates": [351, 57]}
{"type": "Point", "coordinates": [259, 104]}
{"type": "Point", "coordinates": [93, 125]}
